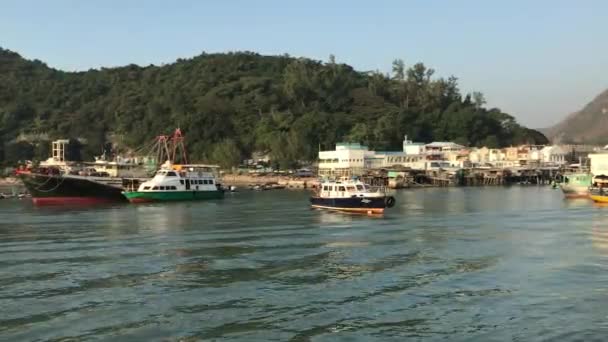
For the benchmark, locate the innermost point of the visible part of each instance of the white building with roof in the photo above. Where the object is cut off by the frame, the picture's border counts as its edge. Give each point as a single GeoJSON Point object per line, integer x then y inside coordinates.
{"type": "Point", "coordinates": [410, 147]}
{"type": "Point", "coordinates": [346, 160]}
{"type": "Point", "coordinates": [352, 159]}
{"type": "Point", "coordinates": [441, 149]}
{"type": "Point", "coordinates": [599, 163]}
{"type": "Point", "coordinates": [554, 154]}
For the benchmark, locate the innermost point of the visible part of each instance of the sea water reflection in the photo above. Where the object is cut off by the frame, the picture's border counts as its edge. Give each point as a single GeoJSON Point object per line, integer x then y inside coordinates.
{"type": "Point", "coordinates": [480, 264]}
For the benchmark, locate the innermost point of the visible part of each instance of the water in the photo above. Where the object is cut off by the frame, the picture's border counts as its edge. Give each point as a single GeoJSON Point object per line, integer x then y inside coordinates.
{"type": "Point", "coordinates": [461, 264]}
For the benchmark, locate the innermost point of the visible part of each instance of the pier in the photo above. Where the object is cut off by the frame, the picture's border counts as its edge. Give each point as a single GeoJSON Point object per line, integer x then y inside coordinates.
{"type": "Point", "coordinates": [398, 179]}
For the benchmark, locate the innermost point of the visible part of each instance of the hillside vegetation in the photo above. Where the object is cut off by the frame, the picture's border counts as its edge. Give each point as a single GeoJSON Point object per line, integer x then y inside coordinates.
{"type": "Point", "coordinates": [232, 104]}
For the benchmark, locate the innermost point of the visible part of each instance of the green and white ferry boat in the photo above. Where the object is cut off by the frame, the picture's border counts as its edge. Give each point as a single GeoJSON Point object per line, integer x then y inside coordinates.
{"type": "Point", "coordinates": [178, 183]}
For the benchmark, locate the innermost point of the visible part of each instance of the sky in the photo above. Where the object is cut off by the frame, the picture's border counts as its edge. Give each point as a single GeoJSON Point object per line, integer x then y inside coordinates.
{"type": "Point", "coordinates": [537, 60]}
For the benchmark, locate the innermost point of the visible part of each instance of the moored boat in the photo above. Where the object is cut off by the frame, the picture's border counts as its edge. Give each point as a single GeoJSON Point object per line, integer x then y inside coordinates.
{"type": "Point", "coordinates": [58, 181]}
{"type": "Point", "coordinates": [576, 185]}
{"type": "Point", "coordinates": [178, 183]}
{"type": "Point", "coordinates": [55, 188]}
{"type": "Point", "coordinates": [351, 196]}
{"type": "Point", "coordinates": [599, 195]}
{"type": "Point", "coordinates": [599, 191]}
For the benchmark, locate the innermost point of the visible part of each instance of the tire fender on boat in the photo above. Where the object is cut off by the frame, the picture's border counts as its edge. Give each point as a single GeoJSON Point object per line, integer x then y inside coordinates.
{"type": "Point", "coordinates": [390, 201]}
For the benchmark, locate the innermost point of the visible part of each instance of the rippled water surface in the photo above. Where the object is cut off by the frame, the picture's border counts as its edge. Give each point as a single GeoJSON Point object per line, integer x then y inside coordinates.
{"type": "Point", "coordinates": [485, 264]}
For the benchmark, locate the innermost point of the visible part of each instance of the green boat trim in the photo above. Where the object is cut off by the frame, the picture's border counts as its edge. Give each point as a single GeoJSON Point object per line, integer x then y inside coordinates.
{"type": "Point", "coordinates": [576, 184]}
{"type": "Point", "coordinates": [165, 196]}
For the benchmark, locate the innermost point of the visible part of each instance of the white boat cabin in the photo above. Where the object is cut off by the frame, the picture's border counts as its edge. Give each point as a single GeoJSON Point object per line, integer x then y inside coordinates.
{"type": "Point", "coordinates": [348, 188]}
{"type": "Point", "coordinates": [181, 178]}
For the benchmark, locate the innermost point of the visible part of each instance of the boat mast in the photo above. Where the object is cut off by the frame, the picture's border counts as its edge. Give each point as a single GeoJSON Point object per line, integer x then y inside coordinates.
{"type": "Point", "coordinates": [162, 149]}
{"type": "Point", "coordinates": [177, 146]}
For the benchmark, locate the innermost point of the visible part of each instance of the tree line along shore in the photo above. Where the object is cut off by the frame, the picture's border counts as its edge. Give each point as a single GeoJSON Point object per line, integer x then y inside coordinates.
{"type": "Point", "coordinates": [231, 105]}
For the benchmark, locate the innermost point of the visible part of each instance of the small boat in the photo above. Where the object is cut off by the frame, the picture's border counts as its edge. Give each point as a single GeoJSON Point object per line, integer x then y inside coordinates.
{"type": "Point", "coordinates": [258, 187]}
{"type": "Point", "coordinates": [351, 196]}
{"type": "Point", "coordinates": [576, 185]}
{"type": "Point", "coordinates": [598, 195]}
{"type": "Point", "coordinates": [178, 183]}
{"type": "Point", "coordinates": [599, 191]}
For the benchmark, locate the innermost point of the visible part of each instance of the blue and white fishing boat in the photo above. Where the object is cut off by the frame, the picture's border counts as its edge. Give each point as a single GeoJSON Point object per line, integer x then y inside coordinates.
{"type": "Point", "coordinates": [351, 196]}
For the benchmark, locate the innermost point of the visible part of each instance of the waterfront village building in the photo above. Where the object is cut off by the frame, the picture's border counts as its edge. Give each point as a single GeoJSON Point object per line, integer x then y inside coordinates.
{"type": "Point", "coordinates": [412, 148]}
{"type": "Point", "coordinates": [348, 159]}
{"type": "Point", "coordinates": [599, 163]}
{"type": "Point", "coordinates": [518, 156]}
{"type": "Point", "coordinates": [448, 153]}
{"type": "Point", "coordinates": [352, 159]}
{"type": "Point", "coordinates": [553, 155]}
{"type": "Point", "coordinates": [487, 156]}
{"type": "Point", "coordinates": [441, 150]}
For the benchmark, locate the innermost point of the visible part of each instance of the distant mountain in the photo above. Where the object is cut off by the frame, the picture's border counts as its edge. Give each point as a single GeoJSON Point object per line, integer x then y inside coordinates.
{"type": "Point", "coordinates": [587, 126]}
{"type": "Point", "coordinates": [232, 104]}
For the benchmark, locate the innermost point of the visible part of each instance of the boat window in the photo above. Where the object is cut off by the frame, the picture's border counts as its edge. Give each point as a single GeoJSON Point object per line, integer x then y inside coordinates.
{"type": "Point", "coordinates": [341, 188]}
{"type": "Point", "coordinates": [325, 187]}
{"type": "Point", "coordinates": [171, 174]}
{"type": "Point", "coordinates": [181, 181]}
{"type": "Point", "coordinates": [351, 188]}
{"type": "Point", "coordinates": [161, 188]}
{"type": "Point", "coordinates": [359, 187]}
{"type": "Point", "coordinates": [205, 181]}
{"type": "Point", "coordinates": [173, 188]}
{"type": "Point", "coordinates": [155, 188]}
{"type": "Point", "coordinates": [211, 181]}
{"type": "Point", "coordinates": [146, 188]}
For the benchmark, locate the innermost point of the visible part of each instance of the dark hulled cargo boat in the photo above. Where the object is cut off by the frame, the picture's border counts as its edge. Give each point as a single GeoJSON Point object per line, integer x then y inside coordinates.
{"type": "Point", "coordinates": [58, 181]}
{"type": "Point", "coordinates": [54, 188]}
{"type": "Point", "coordinates": [352, 196]}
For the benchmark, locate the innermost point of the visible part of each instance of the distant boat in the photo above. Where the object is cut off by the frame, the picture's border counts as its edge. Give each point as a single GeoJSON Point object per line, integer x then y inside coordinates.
{"type": "Point", "coordinates": [599, 195]}
{"type": "Point", "coordinates": [576, 185]}
{"type": "Point", "coordinates": [351, 196]}
{"type": "Point", "coordinates": [599, 191]}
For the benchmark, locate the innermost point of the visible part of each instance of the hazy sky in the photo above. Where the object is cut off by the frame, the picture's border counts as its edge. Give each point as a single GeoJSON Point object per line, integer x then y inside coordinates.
{"type": "Point", "coordinates": [538, 60]}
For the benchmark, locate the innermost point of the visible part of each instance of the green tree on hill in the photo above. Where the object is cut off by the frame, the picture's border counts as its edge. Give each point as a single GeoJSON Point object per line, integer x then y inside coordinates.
{"type": "Point", "coordinates": [230, 105]}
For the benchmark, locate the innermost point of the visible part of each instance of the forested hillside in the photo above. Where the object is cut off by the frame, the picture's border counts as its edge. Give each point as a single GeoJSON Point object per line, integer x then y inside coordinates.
{"type": "Point", "coordinates": [229, 105]}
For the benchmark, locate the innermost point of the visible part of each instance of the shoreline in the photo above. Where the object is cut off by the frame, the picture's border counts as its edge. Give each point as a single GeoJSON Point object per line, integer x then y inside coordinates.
{"type": "Point", "coordinates": [288, 182]}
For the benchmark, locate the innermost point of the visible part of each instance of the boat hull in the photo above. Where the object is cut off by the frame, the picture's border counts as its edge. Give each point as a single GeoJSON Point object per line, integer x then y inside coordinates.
{"type": "Point", "coordinates": [372, 205]}
{"type": "Point", "coordinates": [170, 196]}
{"type": "Point", "coordinates": [59, 190]}
{"type": "Point", "coordinates": [576, 185]}
{"type": "Point", "coordinates": [575, 191]}
{"type": "Point", "coordinates": [599, 198]}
